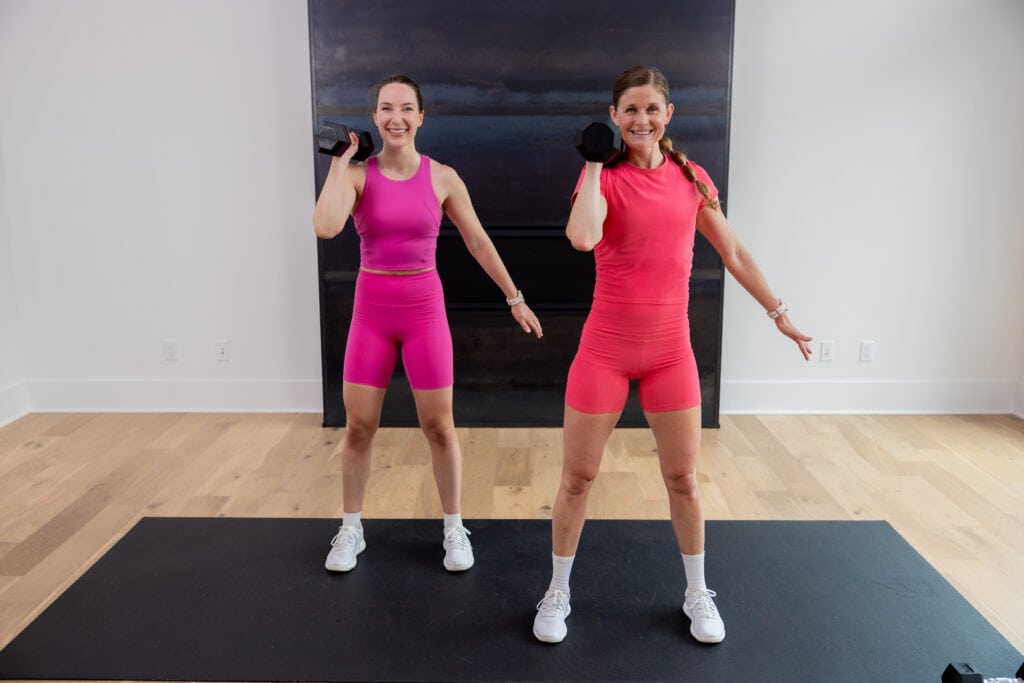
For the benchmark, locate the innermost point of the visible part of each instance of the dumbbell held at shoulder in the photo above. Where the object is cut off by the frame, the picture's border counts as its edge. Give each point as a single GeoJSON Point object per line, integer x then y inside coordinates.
{"type": "Point", "coordinates": [334, 139]}
{"type": "Point", "coordinates": [598, 142]}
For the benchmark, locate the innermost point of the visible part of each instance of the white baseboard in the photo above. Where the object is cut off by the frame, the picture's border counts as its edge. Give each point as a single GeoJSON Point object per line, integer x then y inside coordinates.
{"type": "Point", "coordinates": [13, 402]}
{"type": "Point", "coordinates": [306, 396]}
{"type": "Point", "coordinates": [866, 397]}
{"type": "Point", "coordinates": [174, 396]}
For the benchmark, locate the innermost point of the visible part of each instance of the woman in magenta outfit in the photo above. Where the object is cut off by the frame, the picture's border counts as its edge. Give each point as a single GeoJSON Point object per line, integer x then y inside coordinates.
{"type": "Point", "coordinates": [639, 217]}
{"type": "Point", "coordinates": [397, 199]}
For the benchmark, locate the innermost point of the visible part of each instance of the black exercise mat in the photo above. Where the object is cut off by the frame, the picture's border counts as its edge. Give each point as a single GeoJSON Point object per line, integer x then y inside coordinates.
{"type": "Point", "coordinates": [249, 599]}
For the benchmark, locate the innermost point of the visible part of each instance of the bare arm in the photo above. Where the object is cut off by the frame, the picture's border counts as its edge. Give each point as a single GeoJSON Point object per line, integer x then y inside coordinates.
{"type": "Point", "coordinates": [741, 264]}
{"type": "Point", "coordinates": [586, 220]}
{"type": "Point", "coordinates": [459, 208]}
{"type": "Point", "coordinates": [339, 194]}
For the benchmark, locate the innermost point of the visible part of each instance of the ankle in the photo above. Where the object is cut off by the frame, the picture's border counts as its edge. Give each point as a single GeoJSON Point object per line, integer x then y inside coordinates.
{"type": "Point", "coordinates": [561, 568]}
{"type": "Point", "coordinates": [693, 565]}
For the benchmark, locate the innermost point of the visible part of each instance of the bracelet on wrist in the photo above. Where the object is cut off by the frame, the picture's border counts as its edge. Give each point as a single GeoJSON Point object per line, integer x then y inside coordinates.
{"type": "Point", "coordinates": [517, 299]}
{"type": "Point", "coordinates": [783, 307]}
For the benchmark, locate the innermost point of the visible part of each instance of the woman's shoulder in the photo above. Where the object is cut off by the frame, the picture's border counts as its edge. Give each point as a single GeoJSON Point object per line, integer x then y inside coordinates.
{"type": "Point", "coordinates": [438, 168]}
{"type": "Point", "coordinates": [443, 174]}
{"type": "Point", "coordinates": [698, 170]}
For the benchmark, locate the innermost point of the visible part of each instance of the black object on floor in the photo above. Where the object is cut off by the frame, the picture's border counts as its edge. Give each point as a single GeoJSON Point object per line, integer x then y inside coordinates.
{"type": "Point", "coordinates": [248, 599]}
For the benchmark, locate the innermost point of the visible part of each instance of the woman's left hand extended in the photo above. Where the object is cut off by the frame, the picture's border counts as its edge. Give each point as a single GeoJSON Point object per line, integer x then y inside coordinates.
{"type": "Point", "coordinates": [527, 319]}
{"type": "Point", "coordinates": [789, 329]}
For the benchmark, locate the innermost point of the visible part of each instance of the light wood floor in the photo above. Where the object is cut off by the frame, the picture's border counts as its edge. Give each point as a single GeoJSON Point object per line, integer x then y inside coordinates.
{"type": "Point", "coordinates": [72, 484]}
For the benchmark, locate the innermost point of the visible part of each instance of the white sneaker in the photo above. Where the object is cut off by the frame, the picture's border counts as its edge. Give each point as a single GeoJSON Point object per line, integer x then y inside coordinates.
{"type": "Point", "coordinates": [549, 624]}
{"type": "Point", "coordinates": [345, 545]}
{"type": "Point", "coordinates": [705, 623]}
{"type": "Point", "coordinates": [458, 551]}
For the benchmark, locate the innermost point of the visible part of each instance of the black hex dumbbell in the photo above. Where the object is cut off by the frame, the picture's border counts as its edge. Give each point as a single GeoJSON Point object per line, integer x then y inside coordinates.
{"type": "Point", "coordinates": [332, 138]}
{"type": "Point", "coordinates": [962, 672]}
{"type": "Point", "coordinates": [598, 142]}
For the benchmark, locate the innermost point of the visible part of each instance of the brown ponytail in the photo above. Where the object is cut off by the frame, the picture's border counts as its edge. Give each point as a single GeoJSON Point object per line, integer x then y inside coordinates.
{"type": "Point", "coordinates": [649, 75]}
{"type": "Point", "coordinates": [680, 158]}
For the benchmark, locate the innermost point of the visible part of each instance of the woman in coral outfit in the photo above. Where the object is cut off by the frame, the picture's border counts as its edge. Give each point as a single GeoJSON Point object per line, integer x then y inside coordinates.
{"type": "Point", "coordinates": [639, 217]}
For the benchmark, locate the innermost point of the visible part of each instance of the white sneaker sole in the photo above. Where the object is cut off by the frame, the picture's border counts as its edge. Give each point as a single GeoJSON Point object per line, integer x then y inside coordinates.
{"type": "Point", "coordinates": [343, 568]}
{"type": "Point", "coordinates": [702, 638]}
{"type": "Point", "coordinates": [555, 638]}
{"type": "Point", "coordinates": [550, 639]}
{"type": "Point", "coordinates": [458, 568]}
{"type": "Point", "coordinates": [706, 639]}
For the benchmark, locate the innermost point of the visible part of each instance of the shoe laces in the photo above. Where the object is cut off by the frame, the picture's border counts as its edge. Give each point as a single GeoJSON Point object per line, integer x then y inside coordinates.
{"type": "Point", "coordinates": [345, 538]}
{"type": "Point", "coordinates": [703, 605]}
{"type": "Point", "coordinates": [456, 538]}
{"type": "Point", "coordinates": [553, 604]}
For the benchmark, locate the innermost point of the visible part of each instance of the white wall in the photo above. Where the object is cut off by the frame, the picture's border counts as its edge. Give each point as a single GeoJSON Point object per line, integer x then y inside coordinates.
{"type": "Point", "coordinates": [160, 185]}
{"type": "Point", "coordinates": [13, 390]}
{"type": "Point", "coordinates": [876, 174]}
{"type": "Point", "coordinates": [145, 146]}
{"type": "Point", "coordinates": [1018, 408]}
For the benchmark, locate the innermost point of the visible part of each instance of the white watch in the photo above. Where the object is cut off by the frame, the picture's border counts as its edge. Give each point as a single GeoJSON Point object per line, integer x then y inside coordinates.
{"type": "Point", "coordinates": [783, 307]}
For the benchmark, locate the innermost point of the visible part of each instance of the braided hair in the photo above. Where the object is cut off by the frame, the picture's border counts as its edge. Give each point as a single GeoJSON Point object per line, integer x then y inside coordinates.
{"type": "Point", "coordinates": [649, 75]}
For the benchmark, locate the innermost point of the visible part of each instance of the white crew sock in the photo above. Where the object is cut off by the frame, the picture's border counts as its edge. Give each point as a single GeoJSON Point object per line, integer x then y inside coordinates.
{"type": "Point", "coordinates": [561, 567]}
{"type": "Point", "coordinates": [693, 565]}
{"type": "Point", "coordinates": [452, 520]}
{"type": "Point", "coordinates": [353, 520]}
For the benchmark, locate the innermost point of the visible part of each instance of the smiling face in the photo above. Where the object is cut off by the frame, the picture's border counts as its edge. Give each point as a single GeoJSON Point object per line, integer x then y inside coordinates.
{"type": "Point", "coordinates": [641, 114]}
{"type": "Point", "coordinates": [397, 114]}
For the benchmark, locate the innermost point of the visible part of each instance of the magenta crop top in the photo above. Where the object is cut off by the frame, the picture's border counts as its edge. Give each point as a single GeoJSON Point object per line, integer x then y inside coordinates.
{"type": "Point", "coordinates": [398, 220]}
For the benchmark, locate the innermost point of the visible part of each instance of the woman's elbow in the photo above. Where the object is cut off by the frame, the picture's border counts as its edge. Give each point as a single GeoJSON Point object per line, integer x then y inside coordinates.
{"type": "Point", "coordinates": [735, 260]}
{"type": "Point", "coordinates": [581, 238]}
{"type": "Point", "coordinates": [323, 230]}
{"type": "Point", "coordinates": [582, 243]}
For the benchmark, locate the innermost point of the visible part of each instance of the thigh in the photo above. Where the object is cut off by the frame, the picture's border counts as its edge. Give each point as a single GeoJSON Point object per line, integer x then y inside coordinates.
{"type": "Point", "coordinates": [363, 404]}
{"type": "Point", "coordinates": [434, 407]}
{"type": "Point", "coordinates": [584, 436]}
{"type": "Point", "coordinates": [427, 354]}
{"type": "Point", "coordinates": [677, 434]}
{"type": "Point", "coordinates": [595, 388]}
{"type": "Point", "coordinates": [370, 352]}
{"type": "Point", "coordinates": [673, 383]}
{"type": "Point", "coordinates": [426, 337]}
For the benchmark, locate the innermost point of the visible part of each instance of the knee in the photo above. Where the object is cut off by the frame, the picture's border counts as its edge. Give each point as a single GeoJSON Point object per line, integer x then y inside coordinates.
{"type": "Point", "coordinates": [683, 484]}
{"type": "Point", "coordinates": [440, 433]}
{"type": "Point", "coordinates": [577, 483]}
{"type": "Point", "coordinates": [359, 433]}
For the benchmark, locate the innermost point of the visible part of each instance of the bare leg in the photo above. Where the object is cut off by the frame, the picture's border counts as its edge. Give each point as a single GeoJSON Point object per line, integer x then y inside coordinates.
{"type": "Point", "coordinates": [677, 434]}
{"type": "Point", "coordinates": [584, 436]}
{"type": "Point", "coordinates": [362, 418]}
{"type": "Point", "coordinates": [434, 409]}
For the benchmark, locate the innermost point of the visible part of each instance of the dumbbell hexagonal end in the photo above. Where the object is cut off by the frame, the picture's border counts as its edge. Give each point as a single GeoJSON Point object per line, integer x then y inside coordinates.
{"type": "Point", "coordinates": [365, 146]}
{"type": "Point", "coordinates": [961, 672]}
{"type": "Point", "coordinates": [327, 143]}
{"type": "Point", "coordinates": [597, 142]}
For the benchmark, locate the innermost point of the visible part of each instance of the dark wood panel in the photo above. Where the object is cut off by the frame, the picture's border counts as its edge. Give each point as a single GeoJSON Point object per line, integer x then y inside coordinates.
{"type": "Point", "coordinates": [503, 112]}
